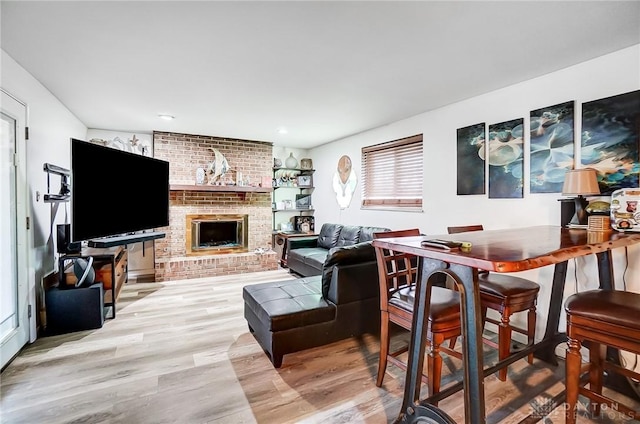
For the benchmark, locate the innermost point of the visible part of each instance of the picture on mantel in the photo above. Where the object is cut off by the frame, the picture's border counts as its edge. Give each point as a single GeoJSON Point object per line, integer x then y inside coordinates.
{"type": "Point", "coordinates": [344, 182]}
{"type": "Point", "coordinates": [506, 161]}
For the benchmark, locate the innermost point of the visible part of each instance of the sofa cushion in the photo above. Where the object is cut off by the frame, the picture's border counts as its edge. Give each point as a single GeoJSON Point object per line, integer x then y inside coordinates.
{"type": "Point", "coordinates": [346, 255]}
{"type": "Point", "coordinates": [289, 304]}
{"type": "Point", "coordinates": [328, 236]}
{"type": "Point", "coordinates": [349, 235]}
{"type": "Point", "coordinates": [314, 257]}
{"type": "Point", "coordinates": [366, 234]}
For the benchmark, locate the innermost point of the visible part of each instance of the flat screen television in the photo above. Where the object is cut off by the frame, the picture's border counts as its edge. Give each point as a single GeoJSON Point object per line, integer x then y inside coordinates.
{"type": "Point", "coordinates": [115, 193]}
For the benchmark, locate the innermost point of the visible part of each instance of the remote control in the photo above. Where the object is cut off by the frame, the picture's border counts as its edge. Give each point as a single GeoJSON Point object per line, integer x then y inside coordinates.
{"type": "Point", "coordinates": [442, 244]}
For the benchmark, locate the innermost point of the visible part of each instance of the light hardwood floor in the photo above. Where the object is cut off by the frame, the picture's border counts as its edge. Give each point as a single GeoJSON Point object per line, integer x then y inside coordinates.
{"type": "Point", "coordinates": [180, 352]}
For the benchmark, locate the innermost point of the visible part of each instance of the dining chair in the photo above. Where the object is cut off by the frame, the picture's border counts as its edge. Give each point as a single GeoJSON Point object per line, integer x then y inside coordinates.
{"type": "Point", "coordinates": [599, 319]}
{"type": "Point", "coordinates": [397, 273]}
{"type": "Point", "coordinates": [506, 294]}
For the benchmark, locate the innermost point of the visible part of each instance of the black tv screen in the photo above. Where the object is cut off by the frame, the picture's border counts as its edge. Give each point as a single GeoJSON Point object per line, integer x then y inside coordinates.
{"type": "Point", "coordinates": [114, 192]}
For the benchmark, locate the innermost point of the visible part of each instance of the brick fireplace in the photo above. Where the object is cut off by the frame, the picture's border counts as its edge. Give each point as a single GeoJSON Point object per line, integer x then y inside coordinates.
{"type": "Point", "coordinates": [219, 215]}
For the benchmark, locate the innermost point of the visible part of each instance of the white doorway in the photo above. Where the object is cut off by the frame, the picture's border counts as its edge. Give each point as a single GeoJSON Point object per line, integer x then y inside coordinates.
{"type": "Point", "coordinates": [14, 298]}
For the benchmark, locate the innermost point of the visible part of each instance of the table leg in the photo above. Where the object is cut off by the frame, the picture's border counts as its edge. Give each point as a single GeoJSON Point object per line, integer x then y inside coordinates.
{"type": "Point", "coordinates": [418, 340]}
{"type": "Point", "coordinates": [466, 278]}
{"type": "Point", "coordinates": [471, 316]}
{"type": "Point", "coordinates": [605, 270]}
{"type": "Point", "coordinates": [548, 353]}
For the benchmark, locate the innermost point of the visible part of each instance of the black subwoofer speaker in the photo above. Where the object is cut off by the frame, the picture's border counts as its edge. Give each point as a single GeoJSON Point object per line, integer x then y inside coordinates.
{"type": "Point", "coordinates": [74, 309]}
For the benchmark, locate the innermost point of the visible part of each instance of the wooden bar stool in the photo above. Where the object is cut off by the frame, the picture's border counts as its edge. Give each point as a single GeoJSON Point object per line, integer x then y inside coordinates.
{"type": "Point", "coordinates": [506, 294]}
{"type": "Point", "coordinates": [599, 318]}
{"type": "Point", "coordinates": [397, 275]}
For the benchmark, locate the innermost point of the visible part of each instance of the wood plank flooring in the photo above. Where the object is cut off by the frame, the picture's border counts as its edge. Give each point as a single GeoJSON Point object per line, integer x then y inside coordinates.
{"type": "Point", "coordinates": [180, 352]}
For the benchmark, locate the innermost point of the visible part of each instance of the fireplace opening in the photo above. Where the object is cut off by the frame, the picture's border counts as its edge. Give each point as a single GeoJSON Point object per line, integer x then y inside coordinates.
{"type": "Point", "coordinates": [212, 234]}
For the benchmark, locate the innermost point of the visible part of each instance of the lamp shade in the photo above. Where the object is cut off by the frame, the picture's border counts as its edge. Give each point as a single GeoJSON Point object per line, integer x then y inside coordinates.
{"type": "Point", "coordinates": [582, 182]}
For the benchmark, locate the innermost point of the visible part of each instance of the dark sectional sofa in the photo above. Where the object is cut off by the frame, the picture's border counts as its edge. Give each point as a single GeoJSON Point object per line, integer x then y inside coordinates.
{"type": "Point", "coordinates": [339, 301]}
{"type": "Point", "coordinates": [307, 255]}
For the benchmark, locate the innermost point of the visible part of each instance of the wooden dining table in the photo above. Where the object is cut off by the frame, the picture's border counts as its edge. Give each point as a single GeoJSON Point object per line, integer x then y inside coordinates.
{"type": "Point", "coordinates": [509, 250]}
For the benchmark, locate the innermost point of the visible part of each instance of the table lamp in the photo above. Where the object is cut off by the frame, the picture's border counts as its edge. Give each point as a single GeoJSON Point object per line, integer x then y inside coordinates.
{"type": "Point", "coordinates": [580, 183]}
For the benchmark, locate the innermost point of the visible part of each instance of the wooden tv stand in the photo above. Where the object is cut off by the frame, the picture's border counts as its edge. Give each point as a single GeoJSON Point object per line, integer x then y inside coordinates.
{"type": "Point", "coordinates": [110, 265]}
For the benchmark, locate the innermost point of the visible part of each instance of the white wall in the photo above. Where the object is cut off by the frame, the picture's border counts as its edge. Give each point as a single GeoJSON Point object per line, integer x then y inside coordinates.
{"type": "Point", "coordinates": [51, 125]}
{"type": "Point", "coordinates": [608, 75]}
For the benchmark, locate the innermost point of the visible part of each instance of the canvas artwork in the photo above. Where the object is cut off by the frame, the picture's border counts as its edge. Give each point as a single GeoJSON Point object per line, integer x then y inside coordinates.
{"type": "Point", "coordinates": [551, 147]}
{"type": "Point", "coordinates": [506, 159]}
{"type": "Point", "coordinates": [303, 201]}
{"type": "Point", "coordinates": [610, 137]}
{"type": "Point", "coordinates": [471, 159]}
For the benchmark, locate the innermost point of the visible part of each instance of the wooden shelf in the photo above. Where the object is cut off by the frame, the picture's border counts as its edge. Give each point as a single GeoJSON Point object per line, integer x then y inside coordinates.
{"type": "Point", "coordinates": [215, 188]}
{"type": "Point", "coordinates": [293, 210]}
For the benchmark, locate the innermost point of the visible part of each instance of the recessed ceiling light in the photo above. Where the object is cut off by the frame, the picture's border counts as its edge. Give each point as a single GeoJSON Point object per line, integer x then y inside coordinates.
{"type": "Point", "coordinates": [166, 117]}
{"type": "Point", "coordinates": [283, 130]}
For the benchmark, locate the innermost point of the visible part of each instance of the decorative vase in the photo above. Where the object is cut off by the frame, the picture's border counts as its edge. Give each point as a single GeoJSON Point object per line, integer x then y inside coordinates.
{"type": "Point", "coordinates": [291, 162]}
{"type": "Point", "coordinates": [200, 176]}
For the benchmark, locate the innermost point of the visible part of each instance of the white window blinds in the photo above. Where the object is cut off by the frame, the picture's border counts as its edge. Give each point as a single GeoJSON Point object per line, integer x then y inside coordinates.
{"type": "Point", "coordinates": [392, 174]}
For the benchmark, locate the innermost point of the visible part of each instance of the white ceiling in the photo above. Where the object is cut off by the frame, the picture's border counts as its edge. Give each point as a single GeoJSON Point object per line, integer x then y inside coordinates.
{"type": "Point", "coordinates": [324, 70]}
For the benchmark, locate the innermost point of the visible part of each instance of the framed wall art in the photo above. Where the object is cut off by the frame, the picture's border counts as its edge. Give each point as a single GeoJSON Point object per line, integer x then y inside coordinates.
{"type": "Point", "coordinates": [303, 201]}
{"type": "Point", "coordinates": [505, 158]}
{"type": "Point", "coordinates": [470, 154]}
{"type": "Point", "coordinates": [610, 138]}
{"type": "Point", "coordinates": [551, 148]}
{"type": "Point", "coordinates": [305, 181]}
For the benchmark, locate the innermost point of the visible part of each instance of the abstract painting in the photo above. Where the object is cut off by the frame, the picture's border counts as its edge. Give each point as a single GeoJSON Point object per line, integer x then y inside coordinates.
{"type": "Point", "coordinates": [551, 148]}
{"type": "Point", "coordinates": [506, 159]}
{"type": "Point", "coordinates": [471, 163]}
{"type": "Point", "coordinates": [610, 137]}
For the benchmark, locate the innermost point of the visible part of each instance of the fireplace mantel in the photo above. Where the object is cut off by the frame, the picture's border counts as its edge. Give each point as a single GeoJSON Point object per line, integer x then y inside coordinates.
{"type": "Point", "coordinates": [220, 188]}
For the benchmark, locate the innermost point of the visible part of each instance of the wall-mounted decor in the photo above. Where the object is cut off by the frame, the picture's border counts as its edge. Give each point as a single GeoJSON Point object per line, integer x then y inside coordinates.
{"type": "Point", "coordinates": [505, 158]}
{"type": "Point", "coordinates": [551, 147]}
{"type": "Point", "coordinates": [344, 181]}
{"type": "Point", "coordinates": [610, 138]}
{"type": "Point", "coordinates": [471, 159]}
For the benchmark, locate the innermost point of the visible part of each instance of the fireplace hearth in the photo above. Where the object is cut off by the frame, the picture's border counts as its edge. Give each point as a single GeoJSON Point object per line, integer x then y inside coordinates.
{"type": "Point", "coordinates": [212, 234]}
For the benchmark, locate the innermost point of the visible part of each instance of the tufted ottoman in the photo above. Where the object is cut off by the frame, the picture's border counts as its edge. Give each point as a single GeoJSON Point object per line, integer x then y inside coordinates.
{"type": "Point", "coordinates": [293, 315]}
{"type": "Point", "coordinates": [282, 315]}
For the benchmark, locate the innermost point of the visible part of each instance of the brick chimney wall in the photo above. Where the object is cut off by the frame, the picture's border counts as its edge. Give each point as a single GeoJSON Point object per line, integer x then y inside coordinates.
{"type": "Point", "coordinates": [185, 153]}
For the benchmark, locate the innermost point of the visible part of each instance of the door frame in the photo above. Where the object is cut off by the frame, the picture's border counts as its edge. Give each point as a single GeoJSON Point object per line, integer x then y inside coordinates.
{"type": "Point", "coordinates": [26, 282]}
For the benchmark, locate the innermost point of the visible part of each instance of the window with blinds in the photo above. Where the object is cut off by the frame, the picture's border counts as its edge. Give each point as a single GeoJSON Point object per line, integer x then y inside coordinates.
{"type": "Point", "coordinates": [392, 174]}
